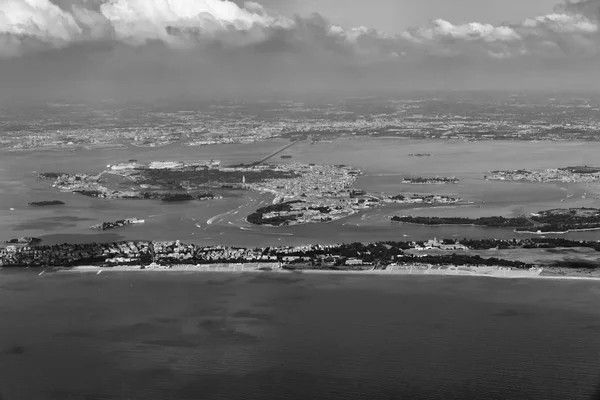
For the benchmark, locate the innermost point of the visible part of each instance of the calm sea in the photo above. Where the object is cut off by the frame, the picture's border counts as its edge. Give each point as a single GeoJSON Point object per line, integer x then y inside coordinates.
{"type": "Point", "coordinates": [260, 336]}
{"type": "Point", "coordinates": [384, 162]}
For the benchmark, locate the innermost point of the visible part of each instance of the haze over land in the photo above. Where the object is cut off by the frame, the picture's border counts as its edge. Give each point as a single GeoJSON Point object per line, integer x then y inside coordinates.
{"type": "Point", "coordinates": [126, 48]}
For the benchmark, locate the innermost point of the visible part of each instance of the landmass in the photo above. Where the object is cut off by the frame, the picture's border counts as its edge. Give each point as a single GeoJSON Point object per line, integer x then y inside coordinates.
{"type": "Point", "coordinates": [494, 222]}
{"type": "Point", "coordinates": [46, 203]}
{"type": "Point", "coordinates": [24, 240]}
{"type": "Point", "coordinates": [570, 174]}
{"type": "Point", "coordinates": [423, 199]}
{"type": "Point", "coordinates": [117, 224]}
{"type": "Point", "coordinates": [549, 221]}
{"type": "Point", "coordinates": [304, 193]}
{"type": "Point", "coordinates": [430, 180]}
{"type": "Point", "coordinates": [420, 155]}
{"type": "Point", "coordinates": [454, 115]}
{"type": "Point", "coordinates": [389, 256]}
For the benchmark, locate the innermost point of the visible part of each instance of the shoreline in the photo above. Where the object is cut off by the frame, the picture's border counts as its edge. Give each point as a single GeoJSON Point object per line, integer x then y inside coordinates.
{"type": "Point", "coordinates": [504, 227]}
{"type": "Point", "coordinates": [559, 233]}
{"type": "Point", "coordinates": [256, 269]}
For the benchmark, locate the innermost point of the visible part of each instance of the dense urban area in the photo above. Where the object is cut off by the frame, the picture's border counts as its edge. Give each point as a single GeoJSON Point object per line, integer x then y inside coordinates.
{"type": "Point", "coordinates": [459, 116]}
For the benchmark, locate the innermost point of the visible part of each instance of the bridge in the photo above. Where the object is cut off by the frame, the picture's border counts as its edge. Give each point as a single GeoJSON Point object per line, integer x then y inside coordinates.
{"type": "Point", "coordinates": [276, 152]}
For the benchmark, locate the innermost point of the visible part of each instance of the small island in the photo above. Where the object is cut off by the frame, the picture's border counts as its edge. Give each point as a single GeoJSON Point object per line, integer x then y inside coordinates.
{"type": "Point", "coordinates": [493, 222]}
{"type": "Point", "coordinates": [420, 155]}
{"type": "Point", "coordinates": [548, 221]}
{"type": "Point", "coordinates": [434, 180]}
{"type": "Point", "coordinates": [117, 224]}
{"type": "Point", "coordinates": [24, 241]}
{"type": "Point", "coordinates": [46, 203]}
{"type": "Point", "coordinates": [422, 199]}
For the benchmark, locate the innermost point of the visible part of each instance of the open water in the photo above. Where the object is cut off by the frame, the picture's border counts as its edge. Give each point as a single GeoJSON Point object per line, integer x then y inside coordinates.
{"type": "Point", "coordinates": [384, 162]}
{"type": "Point", "coordinates": [147, 335]}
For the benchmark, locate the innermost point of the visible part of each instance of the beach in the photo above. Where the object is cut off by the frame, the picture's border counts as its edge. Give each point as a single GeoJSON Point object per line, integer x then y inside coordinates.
{"type": "Point", "coordinates": [552, 273]}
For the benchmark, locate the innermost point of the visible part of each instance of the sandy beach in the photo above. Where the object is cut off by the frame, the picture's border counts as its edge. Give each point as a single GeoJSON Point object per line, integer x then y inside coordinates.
{"type": "Point", "coordinates": [489, 272]}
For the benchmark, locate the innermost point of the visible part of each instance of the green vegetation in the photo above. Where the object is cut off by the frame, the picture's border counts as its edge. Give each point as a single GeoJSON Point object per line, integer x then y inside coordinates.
{"type": "Point", "coordinates": [90, 193]}
{"type": "Point", "coordinates": [50, 175]}
{"type": "Point", "coordinates": [556, 220]}
{"type": "Point", "coordinates": [24, 240]}
{"type": "Point", "coordinates": [495, 222]}
{"type": "Point", "coordinates": [581, 169]}
{"type": "Point", "coordinates": [258, 218]}
{"type": "Point", "coordinates": [46, 203]}
{"type": "Point", "coordinates": [564, 220]}
{"type": "Point", "coordinates": [174, 179]}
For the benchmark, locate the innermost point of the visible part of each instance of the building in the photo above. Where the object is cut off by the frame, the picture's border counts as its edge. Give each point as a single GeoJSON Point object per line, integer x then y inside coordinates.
{"type": "Point", "coordinates": [434, 244]}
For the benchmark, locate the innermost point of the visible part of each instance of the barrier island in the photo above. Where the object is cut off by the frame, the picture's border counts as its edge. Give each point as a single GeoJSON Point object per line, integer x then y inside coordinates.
{"type": "Point", "coordinates": [451, 257]}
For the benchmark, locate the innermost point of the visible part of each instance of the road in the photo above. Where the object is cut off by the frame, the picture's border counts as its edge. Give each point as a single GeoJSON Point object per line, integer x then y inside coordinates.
{"type": "Point", "coordinates": [276, 152]}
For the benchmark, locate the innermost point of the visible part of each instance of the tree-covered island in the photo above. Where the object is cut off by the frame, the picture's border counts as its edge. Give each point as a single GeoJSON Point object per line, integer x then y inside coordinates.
{"type": "Point", "coordinates": [549, 221]}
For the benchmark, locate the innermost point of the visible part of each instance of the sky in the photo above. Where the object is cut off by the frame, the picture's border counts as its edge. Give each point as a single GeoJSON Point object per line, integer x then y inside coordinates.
{"type": "Point", "coordinates": [394, 16]}
{"type": "Point", "coordinates": [101, 49]}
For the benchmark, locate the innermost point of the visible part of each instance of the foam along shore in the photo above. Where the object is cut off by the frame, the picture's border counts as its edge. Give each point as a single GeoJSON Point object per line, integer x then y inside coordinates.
{"type": "Point", "coordinates": [405, 270]}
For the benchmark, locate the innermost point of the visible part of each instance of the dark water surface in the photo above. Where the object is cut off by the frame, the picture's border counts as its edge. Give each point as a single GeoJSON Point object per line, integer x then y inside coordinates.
{"type": "Point", "coordinates": [224, 336]}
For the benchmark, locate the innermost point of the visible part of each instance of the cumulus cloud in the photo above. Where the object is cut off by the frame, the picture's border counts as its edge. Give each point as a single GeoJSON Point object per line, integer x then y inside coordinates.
{"type": "Point", "coordinates": [34, 25]}
{"type": "Point", "coordinates": [234, 43]}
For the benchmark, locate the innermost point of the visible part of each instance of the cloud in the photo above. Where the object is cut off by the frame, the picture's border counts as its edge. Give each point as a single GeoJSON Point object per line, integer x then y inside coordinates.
{"type": "Point", "coordinates": [35, 25]}
{"type": "Point", "coordinates": [222, 45]}
{"type": "Point", "coordinates": [588, 8]}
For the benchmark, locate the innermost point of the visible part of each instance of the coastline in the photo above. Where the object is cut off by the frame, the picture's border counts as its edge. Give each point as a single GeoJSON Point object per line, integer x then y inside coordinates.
{"type": "Point", "coordinates": [504, 227]}
{"type": "Point", "coordinates": [559, 233]}
{"type": "Point", "coordinates": [232, 268]}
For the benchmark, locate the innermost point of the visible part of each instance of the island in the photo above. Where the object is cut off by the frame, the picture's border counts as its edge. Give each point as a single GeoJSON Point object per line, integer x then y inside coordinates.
{"type": "Point", "coordinates": [117, 224]}
{"type": "Point", "coordinates": [24, 241]}
{"type": "Point", "coordinates": [488, 257]}
{"type": "Point", "coordinates": [46, 203]}
{"type": "Point", "coordinates": [308, 193]}
{"type": "Point", "coordinates": [549, 221]}
{"type": "Point", "coordinates": [569, 174]}
{"type": "Point", "coordinates": [494, 222]}
{"type": "Point", "coordinates": [434, 180]}
{"type": "Point", "coordinates": [423, 199]}
{"type": "Point", "coordinates": [420, 155]}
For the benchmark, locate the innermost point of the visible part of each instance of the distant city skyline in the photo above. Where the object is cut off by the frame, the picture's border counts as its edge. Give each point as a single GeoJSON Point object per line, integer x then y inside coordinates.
{"type": "Point", "coordinates": [118, 48]}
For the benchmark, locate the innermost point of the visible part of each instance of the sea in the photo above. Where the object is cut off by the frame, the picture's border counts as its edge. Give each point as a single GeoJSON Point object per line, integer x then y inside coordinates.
{"type": "Point", "coordinates": [384, 163]}
{"type": "Point", "coordinates": [226, 336]}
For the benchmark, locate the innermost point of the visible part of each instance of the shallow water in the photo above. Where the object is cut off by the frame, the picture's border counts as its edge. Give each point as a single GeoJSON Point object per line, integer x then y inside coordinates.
{"type": "Point", "coordinates": [224, 336]}
{"type": "Point", "coordinates": [384, 161]}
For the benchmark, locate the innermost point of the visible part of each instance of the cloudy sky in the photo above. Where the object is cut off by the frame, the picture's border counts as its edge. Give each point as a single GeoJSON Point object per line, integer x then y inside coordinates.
{"type": "Point", "coordinates": [112, 48]}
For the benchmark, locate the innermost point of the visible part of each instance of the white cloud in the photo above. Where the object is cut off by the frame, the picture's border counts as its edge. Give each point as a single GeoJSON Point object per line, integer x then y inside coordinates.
{"type": "Point", "coordinates": [28, 26]}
